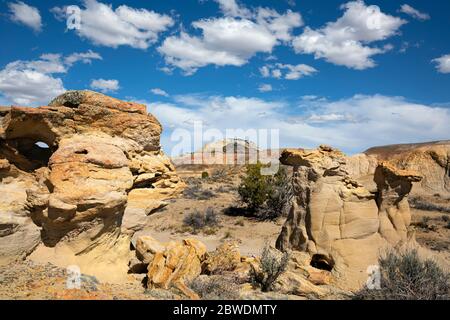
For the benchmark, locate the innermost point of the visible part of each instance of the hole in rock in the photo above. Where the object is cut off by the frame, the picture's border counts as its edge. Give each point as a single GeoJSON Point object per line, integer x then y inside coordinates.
{"type": "Point", "coordinates": [144, 185]}
{"type": "Point", "coordinates": [37, 152]}
{"type": "Point", "coordinates": [81, 151]}
{"type": "Point", "coordinates": [320, 261]}
{"type": "Point", "coordinates": [28, 154]}
{"type": "Point", "coordinates": [42, 145]}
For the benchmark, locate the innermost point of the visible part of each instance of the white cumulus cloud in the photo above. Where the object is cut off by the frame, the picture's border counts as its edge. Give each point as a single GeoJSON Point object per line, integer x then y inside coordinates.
{"type": "Point", "coordinates": [159, 92]}
{"type": "Point", "coordinates": [287, 71]}
{"type": "Point", "coordinates": [265, 87]}
{"type": "Point", "coordinates": [85, 57]}
{"type": "Point", "coordinates": [443, 63]}
{"type": "Point", "coordinates": [124, 26]}
{"type": "Point", "coordinates": [35, 82]}
{"type": "Point", "coordinates": [346, 41]}
{"type": "Point", "coordinates": [233, 9]}
{"type": "Point", "coordinates": [229, 40]}
{"type": "Point", "coordinates": [25, 14]}
{"type": "Point", "coordinates": [353, 124]}
{"type": "Point", "coordinates": [416, 14]}
{"type": "Point", "coordinates": [105, 85]}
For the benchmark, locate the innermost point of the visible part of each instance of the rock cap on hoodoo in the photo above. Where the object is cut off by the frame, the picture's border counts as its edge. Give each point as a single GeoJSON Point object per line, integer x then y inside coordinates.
{"type": "Point", "coordinates": [392, 172]}
{"type": "Point", "coordinates": [74, 98]}
{"type": "Point", "coordinates": [83, 112]}
{"type": "Point", "coordinates": [309, 157]}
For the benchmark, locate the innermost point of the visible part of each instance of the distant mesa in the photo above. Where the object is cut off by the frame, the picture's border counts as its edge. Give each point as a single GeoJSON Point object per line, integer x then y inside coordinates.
{"type": "Point", "coordinates": [232, 151]}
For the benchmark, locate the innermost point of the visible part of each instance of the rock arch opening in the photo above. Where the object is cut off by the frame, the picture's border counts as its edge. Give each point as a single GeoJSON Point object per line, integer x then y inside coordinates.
{"type": "Point", "coordinates": [28, 154]}
{"type": "Point", "coordinates": [320, 261]}
{"type": "Point", "coordinates": [28, 141]}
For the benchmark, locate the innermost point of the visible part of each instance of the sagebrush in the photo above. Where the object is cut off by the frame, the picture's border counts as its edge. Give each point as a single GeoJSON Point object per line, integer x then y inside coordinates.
{"type": "Point", "coordinates": [216, 287]}
{"type": "Point", "coordinates": [194, 190]}
{"type": "Point", "coordinates": [405, 276]}
{"type": "Point", "coordinates": [425, 205]}
{"type": "Point", "coordinates": [200, 220]}
{"type": "Point", "coordinates": [273, 264]}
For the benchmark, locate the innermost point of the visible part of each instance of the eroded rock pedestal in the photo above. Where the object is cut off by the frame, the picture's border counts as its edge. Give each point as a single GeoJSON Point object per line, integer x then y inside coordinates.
{"type": "Point", "coordinates": [80, 175]}
{"type": "Point", "coordinates": [339, 216]}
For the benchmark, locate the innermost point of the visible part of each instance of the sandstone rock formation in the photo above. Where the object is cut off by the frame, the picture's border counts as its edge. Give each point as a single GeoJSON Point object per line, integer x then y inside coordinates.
{"type": "Point", "coordinates": [174, 264]}
{"type": "Point", "coordinates": [339, 218]}
{"type": "Point", "coordinates": [225, 258]}
{"type": "Point", "coordinates": [19, 236]}
{"type": "Point", "coordinates": [86, 169]}
{"type": "Point", "coordinates": [431, 159]}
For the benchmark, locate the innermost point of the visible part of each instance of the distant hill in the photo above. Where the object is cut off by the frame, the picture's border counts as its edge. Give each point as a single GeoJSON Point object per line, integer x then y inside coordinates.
{"type": "Point", "coordinates": [385, 152]}
{"type": "Point", "coordinates": [226, 152]}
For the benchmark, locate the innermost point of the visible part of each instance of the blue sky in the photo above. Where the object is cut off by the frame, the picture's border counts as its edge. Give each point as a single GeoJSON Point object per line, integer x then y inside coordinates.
{"type": "Point", "coordinates": [353, 74]}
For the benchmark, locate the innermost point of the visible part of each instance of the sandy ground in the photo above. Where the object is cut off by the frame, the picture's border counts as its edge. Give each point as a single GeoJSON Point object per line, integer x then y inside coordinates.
{"type": "Point", "coordinates": [251, 233]}
{"type": "Point", "coordinates": [37, 281]}
{"type": "Point", "coordinates": [435, 233]}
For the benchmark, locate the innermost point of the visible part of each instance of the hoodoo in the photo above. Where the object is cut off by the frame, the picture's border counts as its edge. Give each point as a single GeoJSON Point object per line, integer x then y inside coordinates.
{"type": "Point", "coordinates": [78, 178]}
{"type": "Point", "coordinates": [342, 220]}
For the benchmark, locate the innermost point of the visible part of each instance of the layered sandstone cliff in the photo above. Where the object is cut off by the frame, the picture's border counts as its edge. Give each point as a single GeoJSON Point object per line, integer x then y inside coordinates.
{"type": "Point", "coordinates": [80, 175]}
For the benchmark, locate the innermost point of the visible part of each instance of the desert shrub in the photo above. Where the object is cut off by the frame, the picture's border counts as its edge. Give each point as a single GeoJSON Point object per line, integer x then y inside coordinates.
{"type": "Point", "coordinates": [225, 189]}
{"type": "Point", "coordinates": [205, 175]}
{"type": "Point", "coordinates": [254, 187]}
{"type": "Point", "coordinates": [195, 191]}
{"type": "Point", "coordinates": [211, 217]}
{"type": "Point", "coordinates": [280, 195]}
{"type": "Point", "coordinates": [445, 218]}
{"type": "Point", "coordinates": [273, 264]}
{"type": "Point", "coordinates": [266, 196]}
{"type": "Point", "coordinates": [424, 222]}
{"type": "Point", "coordinates": [405, 276]}
{"type": "Point", "coordinates": [209, 231]}
{"type": "Point", "coordinates": [215, 287]}
{"type": "Point", "coordinates": [199, 220]}
{"type": "Point", "coordinates": [422, 204]}
{"type": "Point", "coordinates": [194, 220]}
{"type": "Point", "coordinates": [219, 174]}
{"type": "Point", "coordinates": [227, 235]}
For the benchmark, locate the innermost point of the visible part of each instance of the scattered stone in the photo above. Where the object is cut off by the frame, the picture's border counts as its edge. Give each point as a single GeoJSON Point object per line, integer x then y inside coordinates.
{"type": "Point", "coordinates": [225, 258]}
